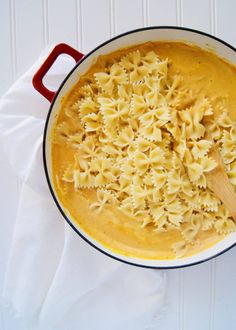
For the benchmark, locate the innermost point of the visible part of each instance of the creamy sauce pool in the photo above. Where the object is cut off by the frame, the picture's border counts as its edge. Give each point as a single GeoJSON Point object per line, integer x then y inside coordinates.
{"type": "Point", "coordinates": [204, 73]}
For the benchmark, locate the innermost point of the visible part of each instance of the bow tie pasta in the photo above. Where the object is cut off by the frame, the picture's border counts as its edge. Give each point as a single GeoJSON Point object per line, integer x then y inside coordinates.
{"type": "Point", "coordinates": [136, 132]}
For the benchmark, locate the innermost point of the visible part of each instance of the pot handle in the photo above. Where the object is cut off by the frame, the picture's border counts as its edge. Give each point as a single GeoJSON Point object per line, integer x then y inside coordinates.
{"type": "Point", "coordinates": [39, 75]}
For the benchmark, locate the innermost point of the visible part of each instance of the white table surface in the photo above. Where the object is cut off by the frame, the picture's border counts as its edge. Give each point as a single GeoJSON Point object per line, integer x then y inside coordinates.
{"type": "Point", "coordinates": [202, 297]}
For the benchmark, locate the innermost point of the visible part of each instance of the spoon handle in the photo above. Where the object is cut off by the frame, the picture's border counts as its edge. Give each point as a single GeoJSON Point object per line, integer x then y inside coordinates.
{"type": "Point", "coordinates": [219, 183]}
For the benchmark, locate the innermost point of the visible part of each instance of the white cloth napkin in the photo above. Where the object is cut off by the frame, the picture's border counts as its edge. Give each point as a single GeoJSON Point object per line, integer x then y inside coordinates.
{"type": "Point", "coordinates": [54, 279]}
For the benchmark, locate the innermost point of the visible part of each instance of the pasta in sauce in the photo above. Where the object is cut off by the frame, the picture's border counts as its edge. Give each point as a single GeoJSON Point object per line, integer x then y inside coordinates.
{"type": "Point", "coordinates": [129, 151]}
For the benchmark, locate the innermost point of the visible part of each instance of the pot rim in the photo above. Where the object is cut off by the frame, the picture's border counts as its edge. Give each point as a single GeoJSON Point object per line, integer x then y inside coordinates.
{"type": "Point", "coordinates": [50, 185]}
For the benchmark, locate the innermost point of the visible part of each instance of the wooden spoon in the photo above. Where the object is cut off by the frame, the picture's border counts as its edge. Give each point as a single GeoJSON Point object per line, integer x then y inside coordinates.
{"type": "Point", "coordinates": [219, 183]}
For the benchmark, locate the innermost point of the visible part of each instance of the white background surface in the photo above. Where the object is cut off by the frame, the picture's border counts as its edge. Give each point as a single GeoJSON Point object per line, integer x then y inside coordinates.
{"type": "Point", "coordinates": [202, 297]}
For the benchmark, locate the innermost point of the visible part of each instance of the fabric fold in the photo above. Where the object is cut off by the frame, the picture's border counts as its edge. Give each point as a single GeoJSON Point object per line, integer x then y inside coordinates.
{"type": "Point", "coordinates": [54, 279]}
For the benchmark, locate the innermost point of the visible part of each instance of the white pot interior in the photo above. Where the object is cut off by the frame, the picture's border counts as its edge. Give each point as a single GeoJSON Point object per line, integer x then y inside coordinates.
{"type": "Point", "coordinates": [133, 38]}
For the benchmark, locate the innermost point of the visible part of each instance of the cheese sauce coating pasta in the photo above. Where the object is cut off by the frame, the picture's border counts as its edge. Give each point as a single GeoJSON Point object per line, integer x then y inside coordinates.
{"type": "Point", "coordinates": [130, 152]}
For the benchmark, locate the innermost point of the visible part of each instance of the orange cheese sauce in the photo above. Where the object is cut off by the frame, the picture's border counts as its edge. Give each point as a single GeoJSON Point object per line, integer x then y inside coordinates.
{"type": "Point", "coordinates": [204, 73]}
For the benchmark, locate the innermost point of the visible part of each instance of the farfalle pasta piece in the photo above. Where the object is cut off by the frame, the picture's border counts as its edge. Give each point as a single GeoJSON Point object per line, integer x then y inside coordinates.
{"type": "Point", "coordinates": [174, 130]}
{"type": "Point", "coordinates": [175, 118]}
{"type": "Point", "coordinates": [194, 171]}
{"type": "Point", "coordinates": [138, 105]}
{"type": "Point", "coordinates": [146, 220]}
{"type": "Point", "coordinates": [228, 140]}
{"type": "Point", "coordinates": [169, 213]}
{"type": "Point", "coordinates": [137, 180]}
{"type": "Point", "coordinates": [131, 60]}
{"type": "Point", "coordinates": [180, 146]}
{"type": "Point", "coordinates": [228, 150]}
{"type": "Point", "coordinates": [150, 60]}
{"type": "Point", "coordinates": [83, 179]}
{"type": "Point", "coordinates": [197, 169]}
{"type": "Point", "coordinates": [204, 106]}
{"type": "Point", "coordinates": [182, 99]}
{"type": "Point", "coordinates": [133, 122]}
{"type": "Point", "coordinates": [161, 69]}
{"type": "Point", "coordinates": [125, 137]}
{"type": "Point", "coordinates": [124, 182]}
{"type": "Point", "coordinates": [148, 182]}
{"type": "Point", "coordinates": [199, 148]}
{"type": "Point", "coordinates": [127, 166]}
{"type": "Point", "coordinates": [141, 89]}
{"type": "Point", "coordinates": [174, 182]}
{"type": "Point", "coordinates": [233, 132]}
{"type": "Point", "coordinates": [196, 220]}
{"type": "Point", "coordinates": [166, 141]}
{"type": "Point", "coordinates": [68, 173]}
{"type": "Point", "coordinates": [158, 214]}
{"type": "Point", "coordinates": [111, 151]}
{"type": "Point", "coordinates": [202, 182]}
{"type": "Point", "coordinates": [191, 229]}
{"type": "Point", "coordinates": [224, 120]}
{"type": "Point", "coordinates": [209, 201]}
{"type": "Point", "coordinates": [103, 170]}
{"type": "Point", "coordinates": [155, 196]}
{"type": "Point", "coordinates": [173, 86]}
{"type": "Point", "coordinates": [63, 131]}
{"type": "Point", "coordinates": [76, 139]}
{"type": "Point", "coordinates": [169, 198]}
{"type": "Point", "coordinates": [186, 186]}
{"type": "Point", "coordinates": [159, 116]}
{"type": "Point", "coordinates": [159, 178]}
{"type": "Point", "coordinates": [174, 212]}
{"type": "Point", "coordinates": [71, 112]}
{"type": "Point", "coordinates": [192, 119]}
{"type": "Point", "coordinates": [228, 155]}
{"type": "Point", "coordinates": [153, 83]}
{"type": "Point", "coordinates": [193, 201]}
{"type": "Point", "coordinates": [155, 159]}
{"type": "Point", "coordinates": [92, 122]}
{"type": "Point", "coordinates": [102, 137]}
{"type": "Point", "coordinates": [113, 112]}
{"type": "Point", "coordinates": [88, 148]}
{"type": "Point", "coordinates": [208, 219]}
{"type": "Point", "coordinates": [175, 125]}
{"type": "Point", "coordinates": [153, 97]}
{"type": "Point", "coordinates": [188, 211]}
{"type": "Point", "coordinates": [151, 133]}
{"type": "Point", "coordinates": [168, 159]}
{"type": "Point", "coordinates": [207, 163]}
{"type": "Point", "coordinates": [152, 121]}
{"type": "Point", "coordinates": [175, 162]}
{"type": "Point", "coordinates": [135, 66]}
{"type": "Point", "coordinates": [87, 106]}
{"type": "Point", "coordinates": [126, 206]}
{"type": "Point", "coordinates": [138, 194]}
{"type": "Point", "coordinates": [108, 80]}
{"type": "Point", "coordinates": [177, 182]}
{"type": "Point", "coordinates": [211, 124]}
{"type": "Point", "coordinates": [104, 197]}
{"type": "Point", "coordinates": [88, 90]}
{"type": "Point", "coordinates": [180, 249]}
{"type": "Point", "coordinates": [224, 224]}
{"type": "Point", "coordinates": [80, 164]}
{"type": "Point", "coordinates": [144, 145]}
{"type": "Point", "coordinates": [125, 91]}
